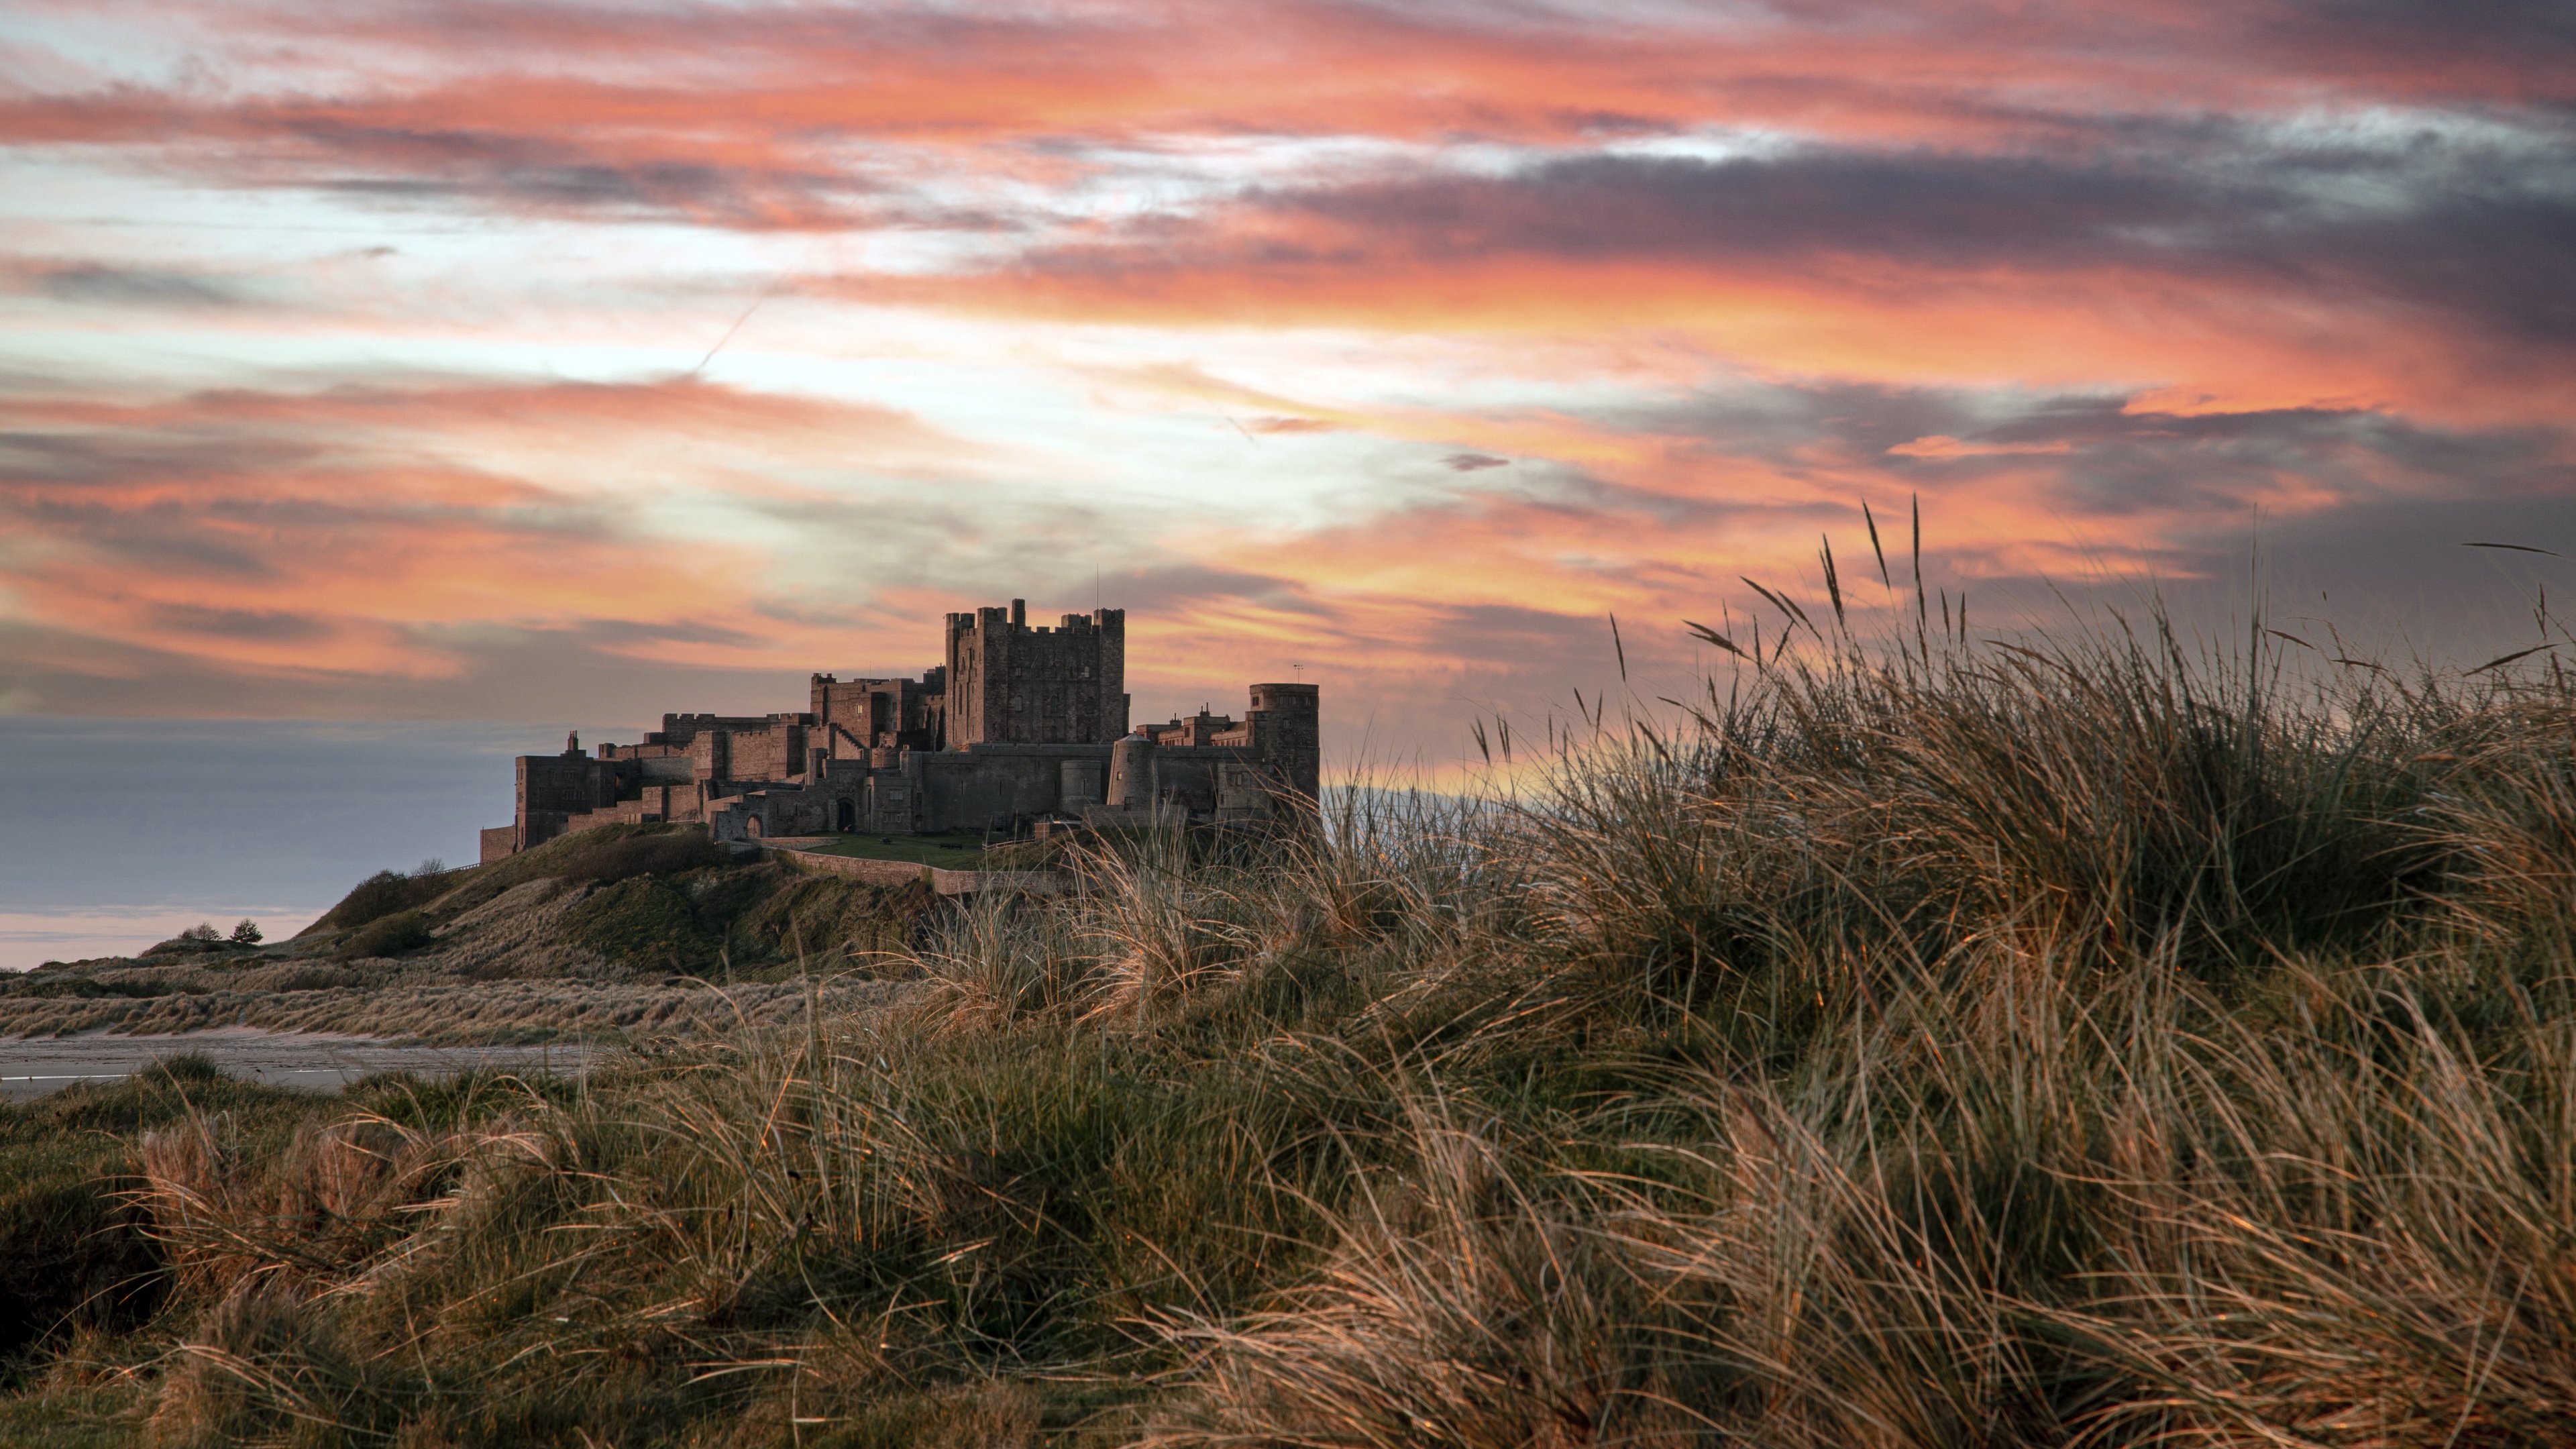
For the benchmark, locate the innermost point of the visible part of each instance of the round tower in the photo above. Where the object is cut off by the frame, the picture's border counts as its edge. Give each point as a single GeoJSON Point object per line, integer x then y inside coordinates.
{"type": "Point", "coordinates": [1131, 774]}
{"type": "Point", "coordinates": [1287, 725]}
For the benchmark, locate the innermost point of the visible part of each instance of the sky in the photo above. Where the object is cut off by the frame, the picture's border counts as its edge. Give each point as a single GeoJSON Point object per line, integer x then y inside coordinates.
{"type": "Point", "coordinates": [120, 833]}
{"type": "Point", "coordinates": [514, 364]}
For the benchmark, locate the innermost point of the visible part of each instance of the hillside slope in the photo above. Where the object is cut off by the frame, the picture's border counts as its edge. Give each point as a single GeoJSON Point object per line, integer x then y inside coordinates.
{"type": "Point", "coordinates": [593, 936]}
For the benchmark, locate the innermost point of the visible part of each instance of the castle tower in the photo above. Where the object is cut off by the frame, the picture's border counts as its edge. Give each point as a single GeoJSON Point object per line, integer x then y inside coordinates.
{"type": "Point", "coordinates": [1286, 725]}
{"type": "Point", "coordinates": [1011, 683]}
{"type": "Point", "coordinates": [853, 718]}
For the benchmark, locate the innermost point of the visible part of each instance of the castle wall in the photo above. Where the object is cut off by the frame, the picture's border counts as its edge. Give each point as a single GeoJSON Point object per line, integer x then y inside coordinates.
{"type": "Point", "coordinates": [679, 729]}
{"type": "Point", "coordinates": [667, 770]}
{"type": "Point", "coordinates": [894, 805]}
{"type": "Point", "coordinates": [711, 755]}
{"type": "Point", "coordinates": [985, 784]}
{"type": "Point", "coordinates": [1016, 727]}
{"type": "Point", "coordinates": [852, 717]}
{"type": "Point", "coordinates": [774, 753]}
{"type": "Point", "coordinates": [997, 785]}
{"type": "Point", "coordinates": [1213, 780]}
{"type": "Point", "coordinates": [847, 716]}
{"type": "Point", "coordinates": [564, 783]}
{"type": "Point", "coordinates": [717, 747]}
{"type": "Point", "coordinates": [644, 752]}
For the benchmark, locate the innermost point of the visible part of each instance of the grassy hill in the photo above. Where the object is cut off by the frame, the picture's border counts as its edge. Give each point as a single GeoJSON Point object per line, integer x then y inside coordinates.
{"type": "Point", "coordinates": [596, 936]}
{"type": "Point", "coordinates": [2071, 1043]}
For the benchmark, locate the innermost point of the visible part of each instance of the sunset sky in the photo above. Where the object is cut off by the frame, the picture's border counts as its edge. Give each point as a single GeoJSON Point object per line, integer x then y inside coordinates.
{"type": "Point", "coordinates": [529, 362]}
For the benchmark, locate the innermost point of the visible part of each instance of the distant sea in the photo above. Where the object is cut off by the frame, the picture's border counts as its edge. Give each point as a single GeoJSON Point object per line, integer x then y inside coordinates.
{"type": "Point", "coordinates": [116, 833]}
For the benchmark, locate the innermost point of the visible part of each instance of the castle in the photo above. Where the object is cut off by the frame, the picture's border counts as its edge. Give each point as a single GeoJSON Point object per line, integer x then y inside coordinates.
{"type": "Point", "coordinates": [1020, 726]}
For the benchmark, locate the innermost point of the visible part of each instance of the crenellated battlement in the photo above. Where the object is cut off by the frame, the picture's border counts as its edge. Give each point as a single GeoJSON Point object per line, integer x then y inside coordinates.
{"type": "Point", "coordinates": [1009, 683]}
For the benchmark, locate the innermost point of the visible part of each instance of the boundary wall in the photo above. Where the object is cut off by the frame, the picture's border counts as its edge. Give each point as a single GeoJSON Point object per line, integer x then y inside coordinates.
{"type": "Point", "coordinates": [945, 882]}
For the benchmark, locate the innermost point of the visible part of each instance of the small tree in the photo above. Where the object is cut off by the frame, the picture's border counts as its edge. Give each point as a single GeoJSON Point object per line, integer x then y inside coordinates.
{"type": "Point", "coordinates": [429, 867]}
{"type": "Point", "coordinates": [246, 932]}
{"type": "Point", "coordinates": [202, 931]}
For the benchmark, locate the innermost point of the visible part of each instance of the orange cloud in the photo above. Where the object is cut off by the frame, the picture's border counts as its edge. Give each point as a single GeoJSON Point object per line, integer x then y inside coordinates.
{"type": "Point", "coordinates": [328, 533]}
{"type": "Point", "coordinates": [1939, 445]}
{"type": "Point", "coordinates": [2238, 342]}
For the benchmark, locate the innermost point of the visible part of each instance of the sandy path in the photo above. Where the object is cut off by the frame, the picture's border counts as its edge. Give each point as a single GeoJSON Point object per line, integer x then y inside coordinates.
{"type": "Point", "coordinates": [33, 1066]}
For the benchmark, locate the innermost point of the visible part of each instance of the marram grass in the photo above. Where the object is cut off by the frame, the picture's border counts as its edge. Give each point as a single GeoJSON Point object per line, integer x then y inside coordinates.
{"type": "Point", "coordinates": [2070, 1043]}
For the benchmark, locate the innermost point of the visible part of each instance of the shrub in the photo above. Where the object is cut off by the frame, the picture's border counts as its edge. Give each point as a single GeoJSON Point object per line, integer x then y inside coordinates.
{"type": "Point", "coordinates": [774, 912]}
{"type": "Point", "coordinates": [73, 1252]}
{"type": "Point", "coordinates": [79, 1263]}
{"type": "Point", "coordinates": [188, 1067]}
{"type": "Point", "coordinates": [387, 936]}
{"type": "Point", "coordinates": [601, 856]}
{"type": "Point", "coordinates": [643, 924]}
{"type": "Point", "coordinates": [610, 853]}
{"type": "Point", "coordinates": [382, 894]}
{"type": "Point", "coordinates": [246, 932]}
{"type": "Point", "coordinates": [261, 1364]}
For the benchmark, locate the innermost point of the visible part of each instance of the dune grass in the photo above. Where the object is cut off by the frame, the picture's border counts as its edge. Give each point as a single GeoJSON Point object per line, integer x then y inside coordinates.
{"type": "Point", "coordinates": [2070, 1042]}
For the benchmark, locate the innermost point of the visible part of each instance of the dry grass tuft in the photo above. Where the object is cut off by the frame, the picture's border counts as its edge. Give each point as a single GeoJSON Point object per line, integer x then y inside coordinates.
{"type": "Point", "coordinates": [262, 1366]}
{"type": "Point", "coordinates": [1454, 1308]}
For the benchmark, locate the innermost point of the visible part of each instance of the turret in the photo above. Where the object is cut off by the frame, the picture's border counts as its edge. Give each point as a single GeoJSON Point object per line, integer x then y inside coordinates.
{"type": "Point", "coordinates": [1131, 773]}
{"type": "Point", "coordinates": [1286, 727]}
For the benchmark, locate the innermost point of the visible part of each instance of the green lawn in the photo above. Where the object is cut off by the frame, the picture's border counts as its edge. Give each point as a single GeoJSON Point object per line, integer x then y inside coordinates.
{"type": "Point", "coordinates": [947, 852]}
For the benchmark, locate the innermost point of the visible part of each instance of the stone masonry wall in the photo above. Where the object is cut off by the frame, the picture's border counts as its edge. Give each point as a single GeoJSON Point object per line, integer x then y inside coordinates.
{"type": "Point", "coordinates": [767, 754]}
{"type": "Point", "coordinates": [1287, 726]}
{"type": "Point", "coordinates": [565, 783]}
{"type": "Point", "coordinates": [853, 716]}
{"type": "Point", "coordinates": [1009, 683]}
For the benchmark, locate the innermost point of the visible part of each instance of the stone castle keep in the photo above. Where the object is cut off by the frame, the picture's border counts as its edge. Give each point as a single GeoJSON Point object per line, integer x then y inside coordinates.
{"type": "Point", "coordinates": [1020, 725]}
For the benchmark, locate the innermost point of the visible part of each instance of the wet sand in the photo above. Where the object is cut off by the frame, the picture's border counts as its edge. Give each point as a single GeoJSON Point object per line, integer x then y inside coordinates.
{"type": "Point", "coordinates": [33, 1066]}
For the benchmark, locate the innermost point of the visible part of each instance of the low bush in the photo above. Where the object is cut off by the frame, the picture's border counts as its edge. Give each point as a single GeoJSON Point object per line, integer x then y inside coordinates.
{"type": "Point", "coordinates": [603, 856]}
{"type": "Point", "coordinates": [387, 936]}
{"type": "Point", "coordinates": [73, 1251]}
{"type": "Point", "coordinates": [380, 895]}
{"type": "Point", "coordinates": [608, 854]}
{"type": "Point", "coordinates": [643, 924]}
{"type": "Point", "coordinates": [830, 920]}
{"type": "Point", "coordinates": [78, 1254]}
